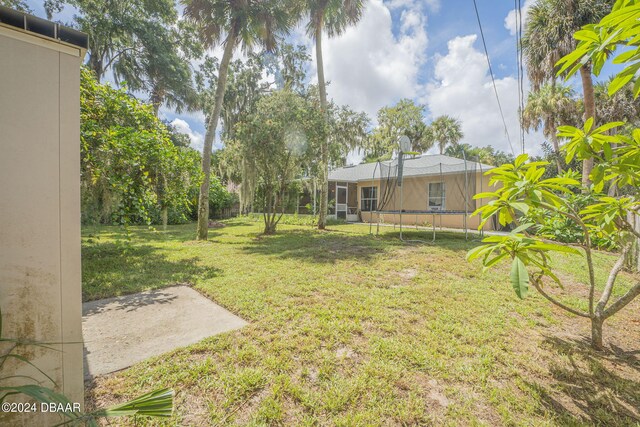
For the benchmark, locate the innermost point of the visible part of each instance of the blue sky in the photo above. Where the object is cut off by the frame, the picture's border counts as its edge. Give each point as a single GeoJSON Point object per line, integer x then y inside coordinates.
{"type": "Point", "coordinates": [427, 50]}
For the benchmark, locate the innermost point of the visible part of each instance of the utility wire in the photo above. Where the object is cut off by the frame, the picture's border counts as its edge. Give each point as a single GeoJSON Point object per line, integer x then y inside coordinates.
{"type": "Point", "coordinates": [516, 7]}
{"type": "Point", "coordinates": [521, 97]}
{"type": "Point", "coordinates": [495, 89]}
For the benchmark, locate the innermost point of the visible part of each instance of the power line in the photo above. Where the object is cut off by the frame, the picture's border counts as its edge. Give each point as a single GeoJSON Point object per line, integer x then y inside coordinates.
{"type": "Point", "coordinates": [495, 89]}
{"type": "Point", "coordinates": [519, 61]}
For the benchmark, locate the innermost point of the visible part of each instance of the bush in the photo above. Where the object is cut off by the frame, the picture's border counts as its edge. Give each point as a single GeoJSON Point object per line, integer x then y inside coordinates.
{"type": "Point", "coordinates": [562, 229]}
{"type": "Point", "coordinates": [130, 167]}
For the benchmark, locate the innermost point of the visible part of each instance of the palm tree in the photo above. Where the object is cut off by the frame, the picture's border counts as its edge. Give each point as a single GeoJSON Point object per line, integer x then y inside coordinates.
{"type": "Point", "coordinates": [333, 17]}
{"type": "Point", "coordinates": [160, 67]}
{"type": "Point", "coordinates": [445, 131]}
{"type": "Point", "coordinates": [233, 23]}
{"type": "Point", "coordinates": [547, 108]}
{"type": "Point", "coordinates": [621, 106]}
{"type": "Point", "coordinates": [549, 36]}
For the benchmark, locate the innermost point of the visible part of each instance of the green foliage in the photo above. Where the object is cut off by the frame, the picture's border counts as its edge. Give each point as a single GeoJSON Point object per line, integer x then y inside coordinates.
{"type": "Point", "coordinates": [444, 131]}
{"type": "Point", "coordinates": [522, 190]}
{"type": "Point", "coordinates": [129, 164]}
{"type": "Point", "coordinates": [519, 278]}
{"type": "Point", "coordinates": [20, 5]}
{"type": "Point", "coordinates": [487, 155]}
{"type": "Point", "coordinates": [548, 34]}
{"type": "Point", "coordinates": [598, 42]}
{"type": "Point", "coordinates": [160, 65]}
{"type": "Point", "coordinates": [278, 141]}
{"type": "Point", "coordinates": [158, 403]}
{"type": "Point", "coordinates": [404, 118]}
{"type": "Point", "coordinates": [521, 186]}
{"type": "Point", "coordinates": [251, 23]}
{"type": "Point", "coordinates": [219, 197]}
{"type": "Point", "coordinates": [288, 67]}
{"type": "Point", "coordinates": [346, 131]}
{"type": "Point", "coordinates": [559, 227]}
{"type": "Point", "coordinates": [119, 30]}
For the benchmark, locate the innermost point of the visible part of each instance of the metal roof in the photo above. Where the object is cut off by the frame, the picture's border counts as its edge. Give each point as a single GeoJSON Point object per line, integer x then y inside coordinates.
{"type": "Point", "coordinates": [424, 165]}
{"type": "Point", "coordinates": [43, 28]}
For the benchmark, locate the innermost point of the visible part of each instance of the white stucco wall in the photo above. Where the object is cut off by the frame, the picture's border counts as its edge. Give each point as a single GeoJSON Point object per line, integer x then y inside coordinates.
{"type": "Point", "coordinates": [40, 275]}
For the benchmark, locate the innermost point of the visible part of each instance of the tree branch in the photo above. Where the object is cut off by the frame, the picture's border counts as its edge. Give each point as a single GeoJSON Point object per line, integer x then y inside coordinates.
{"type": "Point", "coordinates": [586, 246]}
{"type": "Point", "coordinates": [113, 58]}
{"type": "Point", "coordinates": [536, 284]}
{"type": "Point", "coordinates": [622, 301]}
{"type": "Point", "coordinates": [606, 294]}
{"type": "Point", "coordinates": [629, 227]}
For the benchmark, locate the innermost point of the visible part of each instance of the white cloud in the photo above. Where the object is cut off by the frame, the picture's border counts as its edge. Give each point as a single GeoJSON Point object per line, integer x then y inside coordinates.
{"type": "Point", "coordinates": [197, 139]}
{"type": "Point", "coordinates": [463, 89]}
{"type": "Point", "coordinates": [368, 66]}
{"type": "Point", "coordinates": [510, 20]}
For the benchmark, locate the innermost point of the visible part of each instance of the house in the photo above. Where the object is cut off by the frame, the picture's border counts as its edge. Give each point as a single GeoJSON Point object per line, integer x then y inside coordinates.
{"type": "Point", "coordinates": [422, 190]}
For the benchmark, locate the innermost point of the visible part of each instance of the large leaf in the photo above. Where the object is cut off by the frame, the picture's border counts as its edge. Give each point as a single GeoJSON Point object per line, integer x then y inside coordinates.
{"type": "Point", "coordinates": [158, 403]}
{"type": "Point", "coordinates": [519, 278]}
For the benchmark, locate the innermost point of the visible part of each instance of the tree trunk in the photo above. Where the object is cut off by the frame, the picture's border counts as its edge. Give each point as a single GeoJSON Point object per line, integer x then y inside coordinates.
{"type": "Point", "coordinates": [596, 332]}
{"type": "Point", "coordinates": [632, 261]}
{"type": "Point", "coordinates": [203, 200]}
{"type": "Point", "coordinates": [590, 111]}
{"type": "Point", "coordinates": [556, 150]}
{"type": "Point", "coordinates": [324, 149]}
{"type": "Point", "coordinates": [164, 213]}
{"type": "Point", "coordinates": [156, 100]}
{"type": "Point", "coordinates": [95, 64]}
{"type": "Point", "coordinates": [269, 227]}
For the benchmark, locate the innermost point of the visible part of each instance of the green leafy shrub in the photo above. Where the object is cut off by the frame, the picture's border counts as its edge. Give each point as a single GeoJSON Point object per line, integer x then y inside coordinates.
{"type": "Point", "coordinates": [559, 227]}
{"type": "Point", "coordinates": [130, 167]}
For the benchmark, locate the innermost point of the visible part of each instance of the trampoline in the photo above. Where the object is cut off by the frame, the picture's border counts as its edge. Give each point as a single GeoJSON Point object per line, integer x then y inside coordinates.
{"type": "Point", "coordinates": [443, 189]}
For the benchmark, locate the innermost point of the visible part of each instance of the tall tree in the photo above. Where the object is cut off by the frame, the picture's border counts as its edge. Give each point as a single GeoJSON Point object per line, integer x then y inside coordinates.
{"type": "Point", "coordinates": [116, 27]}
{"type": "Point", "coordinates": [619, 106]}
{"type": "Point", "coordinates": [404, 118]}
{"type": "Point", "coordinates": [288, 67]}
{"type": "Point", "coordinates": [332, 17]}
{"type": "Point", "coordinates": [279, 140]}
{"type": "Point", "coordinates": [130, 167]}
{"type": "Point", "coordinates": [234, 23]}
{"type": "Point", "coordinates": [143, 43]}
{"type": "Point", "coordinates": [161, 65]}
{"type": "Point", "coordinates": [549, 36]}
{"type": "Point", "coordinates": [547, 108]}
{"type": "Point", "coordinates": [444, 131]}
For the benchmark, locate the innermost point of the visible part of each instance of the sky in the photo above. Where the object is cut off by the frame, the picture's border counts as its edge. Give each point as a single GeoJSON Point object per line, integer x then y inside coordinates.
{"type": "Point", "coordinates": [426, 50]}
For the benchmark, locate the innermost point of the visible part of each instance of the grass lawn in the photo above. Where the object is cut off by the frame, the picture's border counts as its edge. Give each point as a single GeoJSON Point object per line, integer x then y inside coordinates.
{"type": "Point", "coordinates": [348, 329]}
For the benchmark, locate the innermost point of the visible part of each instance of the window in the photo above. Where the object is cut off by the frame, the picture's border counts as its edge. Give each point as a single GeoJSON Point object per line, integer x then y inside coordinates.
{"type": "Point", "coordinates": [436, 196]}
{"type": "Point", "coordinates": [369, 199]}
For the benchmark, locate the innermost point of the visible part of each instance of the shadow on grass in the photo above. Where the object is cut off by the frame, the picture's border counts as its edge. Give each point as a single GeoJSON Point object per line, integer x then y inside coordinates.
{"type": "Point", "coordinates": [591, 383]}
{"type": "Point", "coordinates": [180, 232]}
{"type": "Point", "coordinates": [113, 269]}
{"type": "Point", "coordinates": [128, 303]}
{"type": "Point", "coordinates": [337, 245]}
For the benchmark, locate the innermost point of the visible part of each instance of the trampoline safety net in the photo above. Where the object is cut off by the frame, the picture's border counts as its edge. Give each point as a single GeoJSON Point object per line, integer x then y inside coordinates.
{"type": "Point", "coordinates": [407, 187]}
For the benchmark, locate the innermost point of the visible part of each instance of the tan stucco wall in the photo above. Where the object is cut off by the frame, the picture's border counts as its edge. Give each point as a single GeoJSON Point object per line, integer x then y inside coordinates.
{"type": "Point", "coordinates": [40, 275]}
{"type": "Point", "coordinates": [415, 196]}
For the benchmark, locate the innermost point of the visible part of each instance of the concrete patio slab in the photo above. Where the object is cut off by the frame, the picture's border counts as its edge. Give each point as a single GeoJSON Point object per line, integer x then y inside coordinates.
{"type": "Point", "coordinates": [119, 332]}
